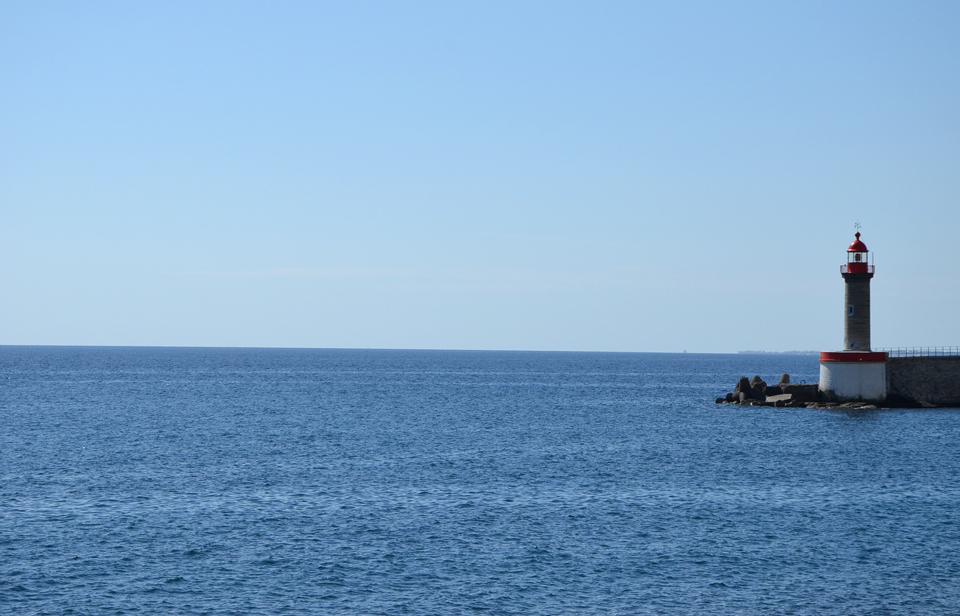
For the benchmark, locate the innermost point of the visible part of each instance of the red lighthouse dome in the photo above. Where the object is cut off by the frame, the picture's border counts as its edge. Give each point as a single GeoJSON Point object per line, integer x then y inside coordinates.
{"type": "Point", "coordinates": [857, 245]}
{"type": "Point", "coordinates": [857, 255]}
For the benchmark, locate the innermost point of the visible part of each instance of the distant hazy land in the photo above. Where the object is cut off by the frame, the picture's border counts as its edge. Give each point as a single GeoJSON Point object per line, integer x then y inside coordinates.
{"type": "Point", "coordinates": [778, 352]}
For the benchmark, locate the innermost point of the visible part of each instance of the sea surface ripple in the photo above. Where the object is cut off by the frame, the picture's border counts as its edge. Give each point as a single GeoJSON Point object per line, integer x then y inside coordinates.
{"type": "Point", "coordinates": [253, 481]}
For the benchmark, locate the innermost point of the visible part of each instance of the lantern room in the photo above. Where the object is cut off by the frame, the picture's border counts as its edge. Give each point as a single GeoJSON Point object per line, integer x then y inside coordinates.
{"type": "Point", "coordinates": [857, 258]}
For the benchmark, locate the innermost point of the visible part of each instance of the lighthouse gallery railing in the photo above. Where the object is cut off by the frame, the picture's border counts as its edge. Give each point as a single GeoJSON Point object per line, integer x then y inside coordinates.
{"type": "Point", "coordinates": [870, 269]}
{"type": "Point", "coordinates": [948, 351]}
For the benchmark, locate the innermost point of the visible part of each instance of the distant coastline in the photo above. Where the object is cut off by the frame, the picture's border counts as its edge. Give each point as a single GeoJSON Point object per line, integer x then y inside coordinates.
{"type": "Point", "coordinates": [778, 352]}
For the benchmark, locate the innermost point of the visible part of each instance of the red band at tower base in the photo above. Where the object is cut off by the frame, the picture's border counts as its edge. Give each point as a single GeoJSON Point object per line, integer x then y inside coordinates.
{"type": "Point", "coordinates": [853, 357]}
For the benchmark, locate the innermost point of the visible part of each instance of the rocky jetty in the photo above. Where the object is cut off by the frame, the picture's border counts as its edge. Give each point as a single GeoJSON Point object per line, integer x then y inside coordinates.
{"type": "Point", "coordinates": [756, 392]}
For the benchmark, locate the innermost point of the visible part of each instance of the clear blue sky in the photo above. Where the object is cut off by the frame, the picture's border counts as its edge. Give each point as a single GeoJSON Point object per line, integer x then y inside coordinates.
{"type": "Point", "coordinates": [476, 175]}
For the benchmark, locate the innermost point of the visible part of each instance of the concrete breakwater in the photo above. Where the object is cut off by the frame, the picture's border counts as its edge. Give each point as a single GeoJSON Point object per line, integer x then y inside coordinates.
{"type": "Point", "coordinates": [928, 381]}
{"type": "Point", "coordinates": [756, 392]}
{"type": "Point", "coordinates": [911, 382]}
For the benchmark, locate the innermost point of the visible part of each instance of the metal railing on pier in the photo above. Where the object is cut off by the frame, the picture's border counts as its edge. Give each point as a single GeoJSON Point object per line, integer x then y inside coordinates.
{"type": "Point", "coordinates": [940, 351]}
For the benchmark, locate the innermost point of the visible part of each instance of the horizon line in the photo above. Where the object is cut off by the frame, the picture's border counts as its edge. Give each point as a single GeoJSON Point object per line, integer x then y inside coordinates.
{"type": "Point", "coordinates": [451, 350]}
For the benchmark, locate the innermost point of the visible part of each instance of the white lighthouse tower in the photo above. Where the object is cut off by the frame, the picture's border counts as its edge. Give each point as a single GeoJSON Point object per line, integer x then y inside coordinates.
{"type": "Point", "coordinates": [855, 373]}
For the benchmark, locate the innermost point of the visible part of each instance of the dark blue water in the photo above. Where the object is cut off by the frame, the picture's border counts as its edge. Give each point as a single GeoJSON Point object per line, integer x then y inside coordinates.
{"type": "Point", "coordinates": [202, 481]}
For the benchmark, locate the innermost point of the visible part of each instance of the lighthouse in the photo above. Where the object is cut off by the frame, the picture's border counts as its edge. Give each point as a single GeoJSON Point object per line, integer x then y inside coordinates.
{"type": "Point", "coordinates": [855, 373]}
{"type": "Point", "coordinates": [856, 276]}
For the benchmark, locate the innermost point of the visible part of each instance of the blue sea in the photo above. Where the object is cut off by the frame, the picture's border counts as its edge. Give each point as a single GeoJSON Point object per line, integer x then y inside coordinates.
{"type": "Point", "coordinates": [257, 481]}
